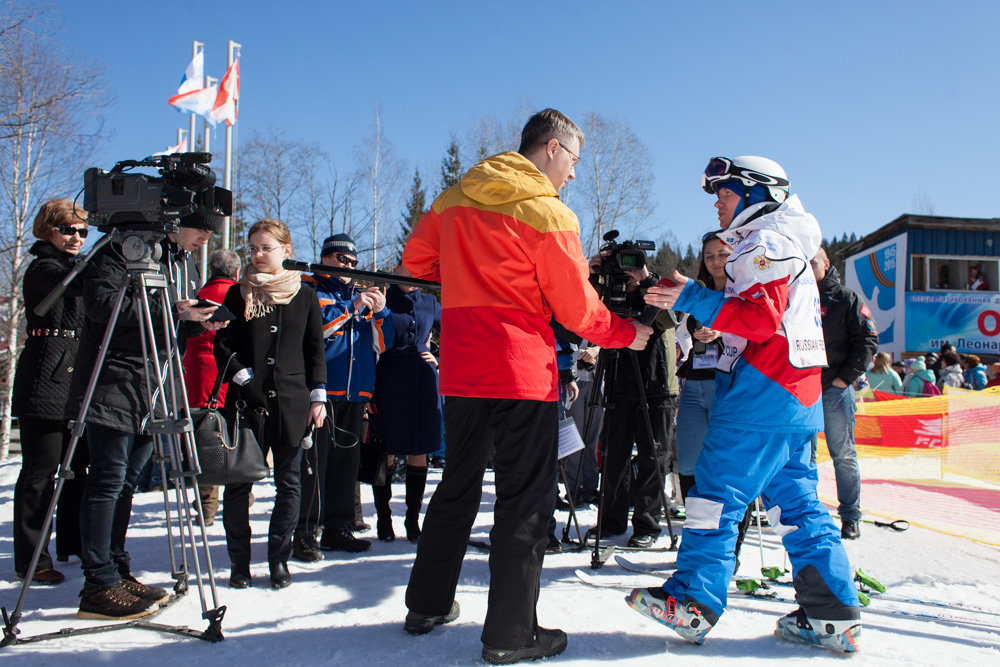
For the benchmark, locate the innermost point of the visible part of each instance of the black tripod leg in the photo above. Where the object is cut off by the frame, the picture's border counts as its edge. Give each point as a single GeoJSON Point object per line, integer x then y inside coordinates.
{"type": "Point", "coordinates": [10, 630]}
{"type": "Point", "coordinates": [647, 422]}
{"type": "Point", "coordinates": [607, 369]}
{"type": "Point", "coordinates": [572, 510]}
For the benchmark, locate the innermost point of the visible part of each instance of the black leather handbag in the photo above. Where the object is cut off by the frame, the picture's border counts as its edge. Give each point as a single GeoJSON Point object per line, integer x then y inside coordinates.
{"type": "Point", "coordinates": [226, 455]}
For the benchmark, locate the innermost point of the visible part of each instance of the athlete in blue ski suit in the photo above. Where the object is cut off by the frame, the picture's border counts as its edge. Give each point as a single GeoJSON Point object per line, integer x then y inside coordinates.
{"type": "Point", "coordinates": [767, 407]}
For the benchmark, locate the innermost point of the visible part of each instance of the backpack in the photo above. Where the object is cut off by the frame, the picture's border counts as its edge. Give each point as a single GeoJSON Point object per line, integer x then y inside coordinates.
{"type": "Point", "coordinates": [930, 389]}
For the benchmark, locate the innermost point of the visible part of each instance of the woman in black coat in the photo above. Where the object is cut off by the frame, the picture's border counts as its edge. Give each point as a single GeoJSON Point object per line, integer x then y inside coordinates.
{"type": "Point", "coordinates": [279, 367]}
{"type": "Point", "coordinates": [41, 390]}
{"type": "Point", "coordinates": [408, 408]}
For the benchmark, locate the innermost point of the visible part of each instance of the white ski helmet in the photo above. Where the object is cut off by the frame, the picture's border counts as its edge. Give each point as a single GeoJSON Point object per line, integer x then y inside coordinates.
{"type": "Point", "coordinates": [750, 170]}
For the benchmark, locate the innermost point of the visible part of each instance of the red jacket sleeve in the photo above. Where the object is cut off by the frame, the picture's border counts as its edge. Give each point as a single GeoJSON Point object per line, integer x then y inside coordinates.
{"type": "Point", "coordinates": [422, 254]}
{"type": "Point", "coordinates": [563, 276]}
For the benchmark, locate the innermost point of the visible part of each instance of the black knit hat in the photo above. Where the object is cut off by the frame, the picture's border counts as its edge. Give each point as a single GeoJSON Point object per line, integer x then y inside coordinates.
{"type": "Point", "coordinates": [206, 223]}
{"type": "Point", "coordinates": [341, 243]}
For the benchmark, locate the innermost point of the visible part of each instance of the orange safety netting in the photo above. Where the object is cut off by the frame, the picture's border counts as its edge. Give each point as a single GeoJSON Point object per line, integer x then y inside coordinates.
{"type": "Point", "coordinates": [934, 461]}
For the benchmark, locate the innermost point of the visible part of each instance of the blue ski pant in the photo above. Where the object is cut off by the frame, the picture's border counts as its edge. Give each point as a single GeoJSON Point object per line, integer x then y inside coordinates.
{"type": "Point", "coordinates": [736, 466]}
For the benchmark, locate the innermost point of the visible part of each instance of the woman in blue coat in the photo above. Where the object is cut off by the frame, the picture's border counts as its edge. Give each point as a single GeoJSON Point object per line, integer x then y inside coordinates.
{"type": "Point", "coordinates": [407, 405]}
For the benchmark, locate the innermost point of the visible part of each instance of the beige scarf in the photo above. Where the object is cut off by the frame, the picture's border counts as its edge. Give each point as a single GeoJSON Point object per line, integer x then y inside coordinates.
{"type": "Point", "coordinates": [263, 291]}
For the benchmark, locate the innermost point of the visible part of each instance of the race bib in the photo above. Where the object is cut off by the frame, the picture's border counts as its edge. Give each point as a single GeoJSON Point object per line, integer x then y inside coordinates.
{"type": "Point", "coordinates": [709, 360]}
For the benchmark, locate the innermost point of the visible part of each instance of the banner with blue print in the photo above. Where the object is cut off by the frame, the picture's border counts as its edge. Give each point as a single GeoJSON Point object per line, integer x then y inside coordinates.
{"type": "Point", "coordinates": [968, 320]}
{"type": "Point", "coordinates": [878, 276]}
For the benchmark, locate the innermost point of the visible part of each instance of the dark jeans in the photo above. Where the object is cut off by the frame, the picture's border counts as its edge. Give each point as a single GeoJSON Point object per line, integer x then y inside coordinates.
{"type": "Point", "coordinates": [330, 472]}
{"type": "Point", "coordinates": [524, 436]}
{"type": "Point", "coordinates": [116, 458]}
{"type": "Point", "coordinates": [624, 425]}
{"type": "Point", "coordinates": [284, 514]}
{"type": "Point", "coordinates": [43, 445]}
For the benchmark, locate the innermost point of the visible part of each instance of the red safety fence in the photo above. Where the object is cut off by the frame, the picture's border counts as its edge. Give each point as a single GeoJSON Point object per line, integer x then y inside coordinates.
{"type": "Point", "coordinates": [934, 461]}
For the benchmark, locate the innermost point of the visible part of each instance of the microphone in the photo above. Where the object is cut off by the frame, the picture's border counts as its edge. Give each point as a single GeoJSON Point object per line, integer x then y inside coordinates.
{"type": "Point", "coordinates": [649, 313]}
{"type": "Point", "coordinates": [307, 440]}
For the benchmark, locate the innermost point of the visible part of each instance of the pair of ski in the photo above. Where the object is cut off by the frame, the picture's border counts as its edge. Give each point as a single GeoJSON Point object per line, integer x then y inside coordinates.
{"type": "Point", "coordinates": [760, 590]}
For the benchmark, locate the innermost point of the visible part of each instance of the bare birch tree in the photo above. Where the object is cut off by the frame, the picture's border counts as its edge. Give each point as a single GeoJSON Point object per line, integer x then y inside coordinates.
{"type": "Point", "coordinates": [49, 119]}
{"type": "Point", "coordinates": [279, 178]}
{"type": "Point", "coordinates": [381, 173]}
{"type": "Point", "coordinates": [614, 181]}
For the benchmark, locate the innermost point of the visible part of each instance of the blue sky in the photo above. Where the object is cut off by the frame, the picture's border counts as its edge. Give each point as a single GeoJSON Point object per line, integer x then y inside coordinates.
{"type": "Point", "coordinates": [873, 108]}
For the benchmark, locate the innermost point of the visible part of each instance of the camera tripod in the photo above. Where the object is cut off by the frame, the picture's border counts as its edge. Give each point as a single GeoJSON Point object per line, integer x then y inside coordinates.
{"type": "Point", "coordinates": [171, 429]}
{"type": "Point", "coordinates": [606, 374]}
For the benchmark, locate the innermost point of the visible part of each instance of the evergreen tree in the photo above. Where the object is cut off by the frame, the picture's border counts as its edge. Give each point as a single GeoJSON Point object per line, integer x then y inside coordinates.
{"type": "Point", "coordinates": [451, 166]}
{"type": "Point", "coordinates": [416, 205]}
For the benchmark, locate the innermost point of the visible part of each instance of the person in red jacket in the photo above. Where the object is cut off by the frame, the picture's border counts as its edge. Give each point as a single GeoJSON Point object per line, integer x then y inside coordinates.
{"type": "Point", "coordinates": [200, 370]}
{"type": "Point", "coordinates": [507, 253]}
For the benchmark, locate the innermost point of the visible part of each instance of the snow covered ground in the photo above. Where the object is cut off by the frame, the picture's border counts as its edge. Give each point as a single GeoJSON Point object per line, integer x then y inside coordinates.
{"type": "Point", "coordinates": [348, 610]}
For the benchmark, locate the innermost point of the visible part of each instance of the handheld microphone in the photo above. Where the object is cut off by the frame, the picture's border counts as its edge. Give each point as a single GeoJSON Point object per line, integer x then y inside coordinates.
{"type": "Point", "coordinates": [649, 313]}
{"type": "Point", "coordinates": [307, 440]}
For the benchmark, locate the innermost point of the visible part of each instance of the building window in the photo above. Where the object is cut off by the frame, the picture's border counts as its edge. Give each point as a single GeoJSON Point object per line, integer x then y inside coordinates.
{"type": "Point", "coordinates": [955, 273]}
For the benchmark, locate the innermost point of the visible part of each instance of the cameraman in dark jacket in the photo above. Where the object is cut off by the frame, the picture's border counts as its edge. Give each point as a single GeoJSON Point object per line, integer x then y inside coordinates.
{"type": "Point", "coordinates": [117, 431]}
{"type": "Point", "coordinates": [624, 423]}
{"type": "Point", "coordinates": [851, 340]}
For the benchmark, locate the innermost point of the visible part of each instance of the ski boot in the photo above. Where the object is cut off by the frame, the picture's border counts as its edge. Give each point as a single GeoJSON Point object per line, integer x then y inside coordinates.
{"type": "Point", "coordinates": [685, 618]}
{"type": "Point", "coordinates": [838, 636]}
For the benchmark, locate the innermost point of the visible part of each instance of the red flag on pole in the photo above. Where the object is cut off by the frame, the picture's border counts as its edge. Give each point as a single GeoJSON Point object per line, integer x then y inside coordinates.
{"type": "Point", "coordinates": [226, 107]}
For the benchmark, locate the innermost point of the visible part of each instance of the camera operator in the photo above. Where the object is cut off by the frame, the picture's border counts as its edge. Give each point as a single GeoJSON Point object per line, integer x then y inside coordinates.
{"type": "Point", "coordinates": [117, 441]}
{"type": "Point", "coordinates": [624, 425]}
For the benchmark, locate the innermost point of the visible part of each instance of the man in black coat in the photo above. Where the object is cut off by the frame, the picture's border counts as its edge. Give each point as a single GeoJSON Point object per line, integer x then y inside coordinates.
{"type": "Point", "coordinates": [117, 434]}
{"type": "Point", "coordinates": [851, 340]}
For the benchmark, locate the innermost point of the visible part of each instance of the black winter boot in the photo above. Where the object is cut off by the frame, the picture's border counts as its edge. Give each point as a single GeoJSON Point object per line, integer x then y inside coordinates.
{"type": "Point", "coordinates": [416, 480]}
{"type": "Point", "coordinates": [384, 524]}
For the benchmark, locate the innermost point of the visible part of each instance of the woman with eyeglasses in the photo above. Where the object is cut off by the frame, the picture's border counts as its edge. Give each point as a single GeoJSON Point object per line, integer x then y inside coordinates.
{"type": "Point", "coordinates": [41, 390]}
{"type": "Point", "coordinates": [698, 370]}
{"type": "Point", "coordinates": [278, 367]}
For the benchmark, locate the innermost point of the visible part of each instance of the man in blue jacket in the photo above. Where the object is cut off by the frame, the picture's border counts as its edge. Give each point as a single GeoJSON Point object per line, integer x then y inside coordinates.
{"type": "Point", "coordinates": [356, 326]}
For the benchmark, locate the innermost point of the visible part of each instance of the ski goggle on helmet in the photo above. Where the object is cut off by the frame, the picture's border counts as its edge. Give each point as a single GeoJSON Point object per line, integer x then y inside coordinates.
{"type": "Point", "coordinates": [750, 170]}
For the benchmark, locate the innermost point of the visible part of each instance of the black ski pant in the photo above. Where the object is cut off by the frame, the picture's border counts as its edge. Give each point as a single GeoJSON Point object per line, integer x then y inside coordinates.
{"type": "Point", "coordinates": [330, 471]}
{"type": "Point", "coordinates": [525, 436]}
{"type": "Point", "coordinates": [624, 425]}
{"type": "Point", "coordinates": [284, 515]}
{"type": "Point", "coordinates": [43, 445]}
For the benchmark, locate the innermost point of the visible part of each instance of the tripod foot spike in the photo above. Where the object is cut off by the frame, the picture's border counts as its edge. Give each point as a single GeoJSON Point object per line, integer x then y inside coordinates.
{"type": "Point", "coordinates": [213, 633]}
{"type": "Point", "coordinates": [10, 630]}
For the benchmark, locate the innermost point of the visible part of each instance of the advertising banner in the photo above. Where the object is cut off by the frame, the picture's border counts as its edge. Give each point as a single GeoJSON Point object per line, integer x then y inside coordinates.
{"type": "Point", "coordinates": [968, 320]}
{"type": "Point", "coordinates": [878, 276]}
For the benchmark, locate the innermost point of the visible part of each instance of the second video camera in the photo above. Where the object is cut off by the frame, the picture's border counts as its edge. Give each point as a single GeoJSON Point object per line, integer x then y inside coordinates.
{"type": "Point", "coordinates": [616, 260]}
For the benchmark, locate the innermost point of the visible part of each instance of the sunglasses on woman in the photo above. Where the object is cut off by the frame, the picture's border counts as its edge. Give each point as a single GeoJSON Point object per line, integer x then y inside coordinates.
{"type": "Point", "coordinates": [69, 230]}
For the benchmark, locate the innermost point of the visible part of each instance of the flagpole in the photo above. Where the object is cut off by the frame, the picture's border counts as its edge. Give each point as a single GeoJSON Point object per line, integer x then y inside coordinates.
{"type": "Point", "coordinates": [227, 174]}
{"type": "Point", "coordinates": [207, 148]}
{"type": "Point", "coordinates": [191, 129]}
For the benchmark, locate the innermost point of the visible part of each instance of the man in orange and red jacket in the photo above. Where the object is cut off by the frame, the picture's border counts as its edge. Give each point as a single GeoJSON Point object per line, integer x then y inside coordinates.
{"type": "Point", "coordinates": [507, 253]}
